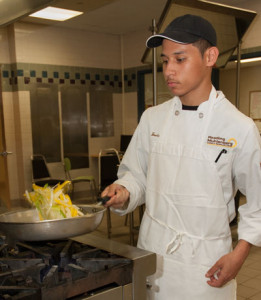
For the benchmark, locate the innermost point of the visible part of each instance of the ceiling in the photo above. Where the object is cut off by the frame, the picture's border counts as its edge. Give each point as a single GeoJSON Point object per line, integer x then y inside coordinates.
{"type": "Point", "coordinates": [109, 16]}
{"type": "Point", "coordinates": [117, 17]}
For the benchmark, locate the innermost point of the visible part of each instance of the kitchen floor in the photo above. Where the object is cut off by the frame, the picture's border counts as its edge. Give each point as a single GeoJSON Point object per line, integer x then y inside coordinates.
{"type": "Point", "coordinates": [248, 279]}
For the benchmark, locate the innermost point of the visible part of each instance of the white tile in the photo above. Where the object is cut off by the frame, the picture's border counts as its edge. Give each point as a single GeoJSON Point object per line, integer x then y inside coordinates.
{"type": "Point", "coordinates": [246, 292]}
{"type": "Point", "coordinates": [255, 297]}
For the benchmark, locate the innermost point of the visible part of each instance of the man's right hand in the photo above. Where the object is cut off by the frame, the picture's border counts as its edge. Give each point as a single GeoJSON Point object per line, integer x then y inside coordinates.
{"type": "Point", "coordinates": [119, 196]}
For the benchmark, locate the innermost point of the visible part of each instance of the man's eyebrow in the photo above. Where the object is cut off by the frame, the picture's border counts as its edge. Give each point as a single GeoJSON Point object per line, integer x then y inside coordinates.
{"type": "Point", "coordinates": [174, 53]}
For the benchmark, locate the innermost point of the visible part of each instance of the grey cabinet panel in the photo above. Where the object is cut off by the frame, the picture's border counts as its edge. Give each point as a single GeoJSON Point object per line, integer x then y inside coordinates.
{"type": "Point", "coordinates": [45, 121]}
{"type": "Point", "coordinates": [75, 125]}
{"type": "Point", "coordinates": [101, 106]}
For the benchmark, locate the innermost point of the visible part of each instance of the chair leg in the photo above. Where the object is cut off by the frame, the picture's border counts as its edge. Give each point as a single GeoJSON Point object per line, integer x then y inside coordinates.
{"type": "Point", "coordinates": [131, 228]}
{"type": "Point", "coordinates": [93, 190]}
{"type": "Point", "coordinates": [126, 220]}
{"type": "Point", "coordinates": [108, 223]}
{"type": "Point", "coordinates": [72, 191]}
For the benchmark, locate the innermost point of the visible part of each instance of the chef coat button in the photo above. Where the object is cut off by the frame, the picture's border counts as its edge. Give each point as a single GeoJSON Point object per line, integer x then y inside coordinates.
{"type": "Point", "coordinates": [176, 112]}
{"type": "Point", "coordinates": [201, 115]}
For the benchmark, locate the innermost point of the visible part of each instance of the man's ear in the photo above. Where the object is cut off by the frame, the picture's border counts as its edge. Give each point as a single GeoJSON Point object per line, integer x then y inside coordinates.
{"type": "Point", "coordinates": [211, 56]}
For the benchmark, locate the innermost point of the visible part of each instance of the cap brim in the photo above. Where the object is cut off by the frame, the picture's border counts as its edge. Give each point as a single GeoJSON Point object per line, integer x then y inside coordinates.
{"type": "Point", "coordinates": [177, 37]}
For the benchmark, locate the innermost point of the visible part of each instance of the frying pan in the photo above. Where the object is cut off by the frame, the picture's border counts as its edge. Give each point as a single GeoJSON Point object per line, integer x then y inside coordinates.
{"type": "Point", "coordinates": [24, 225]}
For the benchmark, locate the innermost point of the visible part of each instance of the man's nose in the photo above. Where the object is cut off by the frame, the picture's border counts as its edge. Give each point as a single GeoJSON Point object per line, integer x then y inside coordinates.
{"type": "Point", "coordinates": [169, 69]}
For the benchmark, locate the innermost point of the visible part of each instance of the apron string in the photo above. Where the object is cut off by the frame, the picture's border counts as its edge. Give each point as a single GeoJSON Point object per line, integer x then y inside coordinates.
{"type": "Point", "coordinates": [176, 242]}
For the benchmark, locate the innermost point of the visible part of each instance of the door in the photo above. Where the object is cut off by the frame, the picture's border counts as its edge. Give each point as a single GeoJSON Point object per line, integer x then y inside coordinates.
{"type": "Point", "coordinates": [4, 183]}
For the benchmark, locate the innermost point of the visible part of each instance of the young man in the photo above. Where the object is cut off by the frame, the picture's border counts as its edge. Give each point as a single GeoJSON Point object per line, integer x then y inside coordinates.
{"type": "Point", "coordinates": [186, 160]}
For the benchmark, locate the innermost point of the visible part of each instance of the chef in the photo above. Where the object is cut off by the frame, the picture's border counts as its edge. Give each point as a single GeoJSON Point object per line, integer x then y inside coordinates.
{"type": "Point", "coordinates": [186, 160]}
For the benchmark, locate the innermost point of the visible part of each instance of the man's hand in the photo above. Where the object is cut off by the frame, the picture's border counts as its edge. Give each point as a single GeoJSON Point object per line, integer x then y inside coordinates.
{"type": "Point", "coordinates": [119, 195]}
{"type": "Point", "coordinates": [228, 266]}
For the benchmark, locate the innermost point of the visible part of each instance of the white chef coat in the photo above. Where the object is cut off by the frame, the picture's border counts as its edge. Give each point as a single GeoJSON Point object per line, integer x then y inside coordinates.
{"type": "Point", "coordinates": [186, 166]}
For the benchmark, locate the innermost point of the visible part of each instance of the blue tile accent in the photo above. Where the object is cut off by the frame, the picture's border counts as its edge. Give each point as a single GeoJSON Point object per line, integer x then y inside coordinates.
{"type": "Point", "coordinates": [20, 72]}
{"type": "Point", "coordinates": [5, 74]}
{"type": "Point", "coordinates": [64, 75]}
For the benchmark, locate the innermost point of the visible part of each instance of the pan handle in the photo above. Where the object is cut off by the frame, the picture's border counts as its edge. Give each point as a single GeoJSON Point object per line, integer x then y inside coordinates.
{"type": "Point", "coordinates": [103, 200]}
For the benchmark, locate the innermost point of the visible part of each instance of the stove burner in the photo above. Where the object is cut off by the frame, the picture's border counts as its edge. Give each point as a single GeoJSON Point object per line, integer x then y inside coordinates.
{"type": "Point", "coordinates": [58, 270]}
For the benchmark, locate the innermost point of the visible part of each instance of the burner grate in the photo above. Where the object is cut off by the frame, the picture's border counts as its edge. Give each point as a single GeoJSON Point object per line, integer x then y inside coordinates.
{"type": "Point", "coordinates": [58, 269]}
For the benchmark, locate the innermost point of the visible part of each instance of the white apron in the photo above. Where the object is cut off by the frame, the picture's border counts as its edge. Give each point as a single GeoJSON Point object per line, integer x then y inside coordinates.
{"type": "Point", "coordinates": [186, 220]}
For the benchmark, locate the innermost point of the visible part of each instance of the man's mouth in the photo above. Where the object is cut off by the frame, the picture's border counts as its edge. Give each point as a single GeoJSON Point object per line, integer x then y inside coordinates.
{"type": "Point", "coordinates": [172, 83]}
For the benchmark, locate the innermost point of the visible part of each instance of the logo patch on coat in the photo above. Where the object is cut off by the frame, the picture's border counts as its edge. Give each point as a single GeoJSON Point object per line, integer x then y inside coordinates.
{"type": "Point", "coordinates": [219, 141]}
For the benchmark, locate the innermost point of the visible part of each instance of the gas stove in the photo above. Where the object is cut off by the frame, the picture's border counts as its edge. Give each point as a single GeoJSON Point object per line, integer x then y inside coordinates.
{"type": "Point", "coordinates": [85, 267]}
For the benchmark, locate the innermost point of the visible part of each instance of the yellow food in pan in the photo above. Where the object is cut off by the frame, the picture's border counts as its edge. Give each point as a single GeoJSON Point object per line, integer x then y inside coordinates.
{"type": "Point", "coordinates": [53, 202]}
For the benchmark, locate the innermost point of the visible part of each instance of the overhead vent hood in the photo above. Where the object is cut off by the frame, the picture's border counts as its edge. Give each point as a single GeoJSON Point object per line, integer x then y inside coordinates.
{"type": "Point", "coordinates": [230, 23]}
{"type": "Point", "coordinates": [13, 10]}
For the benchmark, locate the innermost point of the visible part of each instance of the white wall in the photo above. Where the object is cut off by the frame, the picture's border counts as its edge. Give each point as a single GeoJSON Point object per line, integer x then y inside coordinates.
{"type": "Point", "coordinates": [249, 81]}
{"type": "Point", "coordinates": [58, 46]}
{"type": "Point", "coordinates": [4, 46]}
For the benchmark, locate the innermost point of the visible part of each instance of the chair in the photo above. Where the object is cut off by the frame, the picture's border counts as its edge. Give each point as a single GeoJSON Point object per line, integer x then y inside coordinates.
{"type": "Point", "coordinates": [87, 178]}
{"type": "Point", "coordinates": [40, 172]}
{"type": "Point", "coordinates": [108, 162]}
{"type": "Point", "coordinates": [135, 229]}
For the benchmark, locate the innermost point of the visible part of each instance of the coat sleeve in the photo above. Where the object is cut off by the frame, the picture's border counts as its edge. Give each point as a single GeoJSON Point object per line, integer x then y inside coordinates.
{"type": "Point", "coordinates": [247, 167]}
{"type": "Point", "coordinates": [132, 173]}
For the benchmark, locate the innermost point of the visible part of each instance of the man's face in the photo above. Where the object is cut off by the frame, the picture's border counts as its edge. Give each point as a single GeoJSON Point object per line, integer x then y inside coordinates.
{"type": "Point", "coordinates": [184, 69]}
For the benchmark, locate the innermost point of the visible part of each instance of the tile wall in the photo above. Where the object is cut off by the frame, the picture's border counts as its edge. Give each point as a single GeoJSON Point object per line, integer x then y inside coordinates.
{"type": "Point", "coordinates": [19, 76]}
{"type": "Point", "coordinates": [17, 80]}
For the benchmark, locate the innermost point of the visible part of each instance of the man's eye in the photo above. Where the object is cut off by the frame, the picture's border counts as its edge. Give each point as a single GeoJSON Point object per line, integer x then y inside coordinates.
{"type": "Point", "coordinates": [180, 59]}
{"type": "Point", "coordinates": [164, 61]}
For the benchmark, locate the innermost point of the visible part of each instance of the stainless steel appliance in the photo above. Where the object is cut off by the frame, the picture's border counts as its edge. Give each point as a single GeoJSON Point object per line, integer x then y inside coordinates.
{"type": "Point", "coordinates": [84, 267]}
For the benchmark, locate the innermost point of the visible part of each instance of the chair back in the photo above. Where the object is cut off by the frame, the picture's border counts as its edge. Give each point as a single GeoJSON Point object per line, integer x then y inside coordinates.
{"type": "Point", "coordinates": [39, 167]}
{"type": "Point", "coordinates": [109, 161]}
{"type": "Point", "coordinates": [67, 164]}
{"type": "Point", "coordinates": [41, 174]}
{"type": "Point", "coordinates": [67, 167]}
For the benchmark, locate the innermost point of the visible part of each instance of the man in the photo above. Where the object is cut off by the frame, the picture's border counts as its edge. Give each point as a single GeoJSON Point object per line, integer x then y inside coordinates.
{"type": "Point", "coordinates": [187, 158]}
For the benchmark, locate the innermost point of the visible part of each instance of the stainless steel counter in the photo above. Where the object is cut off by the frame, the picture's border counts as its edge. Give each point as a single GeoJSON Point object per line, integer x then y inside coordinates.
{"type": "Point", "coordinates": [144, 262]}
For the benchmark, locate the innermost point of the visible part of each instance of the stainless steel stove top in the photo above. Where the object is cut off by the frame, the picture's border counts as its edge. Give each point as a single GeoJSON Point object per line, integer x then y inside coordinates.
{"type": "Point", "coordinates": [82, 267]}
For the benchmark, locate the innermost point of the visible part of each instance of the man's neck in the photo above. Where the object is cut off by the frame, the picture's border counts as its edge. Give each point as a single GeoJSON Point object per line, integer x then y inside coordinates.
{"type": "Point", "coordinates": [196, 97]}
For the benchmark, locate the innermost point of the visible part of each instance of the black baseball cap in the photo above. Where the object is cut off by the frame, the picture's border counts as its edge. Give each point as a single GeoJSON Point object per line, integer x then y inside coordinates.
{"type": "Point", "coordinates": [186, 29]}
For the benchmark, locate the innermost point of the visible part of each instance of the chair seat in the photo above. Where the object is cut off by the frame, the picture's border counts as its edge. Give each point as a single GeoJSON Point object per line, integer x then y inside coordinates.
{"type": "Point", "coordinates": [49, 182]}
{"type": "Point", "coordinates": [86, 178]}
{"type": "Point", "coordinates": [83, 178]}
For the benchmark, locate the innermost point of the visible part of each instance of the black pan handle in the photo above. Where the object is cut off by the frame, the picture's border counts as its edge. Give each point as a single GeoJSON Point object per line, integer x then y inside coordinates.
{"type": "Point", "coordinates": [104, 199]}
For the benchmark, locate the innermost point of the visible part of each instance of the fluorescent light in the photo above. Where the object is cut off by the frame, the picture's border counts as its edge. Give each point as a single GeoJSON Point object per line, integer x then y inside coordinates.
{"type": "Point", "coordinates": [56, 14]}
{"type": "Point", "coordinates": [247, 60]}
